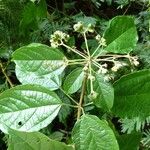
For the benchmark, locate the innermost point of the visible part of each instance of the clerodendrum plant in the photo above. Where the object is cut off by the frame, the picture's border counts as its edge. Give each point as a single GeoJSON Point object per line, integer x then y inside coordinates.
{"type": "Point", "coordinates": [41, 70]}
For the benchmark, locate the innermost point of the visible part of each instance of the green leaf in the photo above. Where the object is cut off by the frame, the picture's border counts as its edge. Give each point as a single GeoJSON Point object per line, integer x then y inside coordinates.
{"type": "Point", "coordinates": [73, 81]}
{"type": "Point", "coordinates": [129, 141]}
{"type": "Point", "coordinates": [132, 96]}
{"type": "Point", "coordinates": [28, 108]}
{"type": "Point", "coordinates": [41, 9]}
{"type": "Point", "coordinates": [133, 124]}
{"type": "Point", "coordinates": [91, 133]}
{"type": "Point", "coordinates": [105, 91]}
{"type": "Point", "coordinates": [34, 141]}
{"type": "Point", "coordinates": [86, 20]}
{"type": "Point", "coordinates": [31, 15]}
{"type": "Point", "coordinates": [121, 35]}
{"type": "Point", "coordinates": [28, 17]}
{"type": "Point", "coordinates": [39, 64]}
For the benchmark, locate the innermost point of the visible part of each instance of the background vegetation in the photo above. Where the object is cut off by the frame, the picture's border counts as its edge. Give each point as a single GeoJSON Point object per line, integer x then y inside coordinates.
{"type": "Point", "coordinates": [34, 21]}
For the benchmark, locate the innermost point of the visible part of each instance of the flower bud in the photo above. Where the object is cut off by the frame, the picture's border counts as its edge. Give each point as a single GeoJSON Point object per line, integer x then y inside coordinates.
{"type": "Point", "coordinates": [90, 28]}
{"type": "Point", "coordinates": [93, 95]}
{"type": "Point", "coordinates": [79, 27]}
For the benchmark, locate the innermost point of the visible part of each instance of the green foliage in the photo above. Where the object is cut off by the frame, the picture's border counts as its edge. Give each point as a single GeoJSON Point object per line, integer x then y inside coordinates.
{"type": "Point", "coordinates": [105, 91]}
{"type": "Point", "coordinates": [34, 141]}
{"type": "Point", "coordinates": [28, 108]}
{"type": "Point", "coordinates": [146, 139]}
{"type": "Point", "coordinates": [91, 133]}
{"type": "Point", "coordinates": [121, 35]}
{"type": "Point", "coordinates": [73, 81]}
{"type": "Point", "coordinates": [134, 124]}
{"type": "Point", "coordinates": [43, 69]}
{"type": "Point", "coordinates": [128, 95]}
{"type": "Point", "coordinates": [89, 89]}
{"type": "Point", "coordinates": [129, 141]}
{"type": "Point", "coordinates": [32, 14]}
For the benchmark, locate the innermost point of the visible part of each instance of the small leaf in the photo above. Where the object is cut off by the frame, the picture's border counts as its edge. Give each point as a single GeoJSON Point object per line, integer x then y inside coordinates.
{"type": "Point", "coordinates": [28, 108]}
{"type": "Point", "coordinates": [86, 20]}
{"type": "Point", "coordinates": [132, 96]}
{"type": "Point", "coordinates": [34, 141]}
{"type": "Point", "coordinates": [73, 81]}
{"type": "Point", "coordinates": [121, 35]}
{"type": "Point", "coordinates": [91, 133]}
{"type": "Point", "coordinates": [105, 91]}
{"type": "Point", "coordinates": [39, 64]}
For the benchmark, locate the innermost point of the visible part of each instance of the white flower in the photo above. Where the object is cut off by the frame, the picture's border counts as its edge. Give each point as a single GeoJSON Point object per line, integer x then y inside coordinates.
{"type": "Point", "coordinates": [103, 69]}
{"type": "Point", "coordinates": [78, 27]}
{"type": "Point", "coordinates": [90, 28]}
{"type": "Point", "coordinates": [117, 66]}
{"type": "Point", "coordinates": [53, 44]}
{"type": "Point", "coordinates": [135, 61]}
{"type": "Point", "coordinates": [108, 78]}
{"type": "Point", "coordinates": [81, 27]}
{"type": "Point", "coordinates": [85, 68]}
{"type": "Point", "coordinates": [57, 38]}
{"type": "Point", "coordinates": [98, 37]}
{"type": "Point", "coordinates": [114, 68]}
{"type": "Point", "coordinates": [101, 40]}
{"type": "Point", "coordinates": [91, 77]}
{"type": "Point", "coordinates": [105, 65]}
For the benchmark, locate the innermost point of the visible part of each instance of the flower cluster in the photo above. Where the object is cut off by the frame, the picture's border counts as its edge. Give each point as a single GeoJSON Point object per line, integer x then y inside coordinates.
{"type": "Point", "coordinates": [118, 65]}
{"type": "Point", "coordinates": [82, 28]}
{"type": "Point", "coordinates": [101, 40]}
{"type": "Point", "coordinates": [103, 69]}
{"type": "Point", "coordinates": [135, 61]}
{"type": "Point", "coordinates": [57, 38]}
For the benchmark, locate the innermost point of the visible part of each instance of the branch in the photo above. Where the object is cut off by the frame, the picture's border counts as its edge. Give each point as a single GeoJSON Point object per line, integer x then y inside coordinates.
{"type": "Point", "coordinates": [81, 97]}
{"type": "Point", "coordinates": [7, 78]}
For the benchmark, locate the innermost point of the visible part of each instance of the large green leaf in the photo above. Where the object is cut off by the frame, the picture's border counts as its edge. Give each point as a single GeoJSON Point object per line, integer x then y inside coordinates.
{"type": "Point", "coordinates": [31, 15]}
{"type": "Point", "coordinates": [129, 141]}
{"type": "Point", "coordinates": [39, 64]}
{"type": "Point", "coordinates": [91, 133]}
{"type": "Point", "coordinates": [105, 91]}
{"type": "Point", "coordinates": [73, 81]}
{"type": "Point", "coordinates": [28, 108]}
{"type": "Point", "coordinates": [132, 95]}
{"type": "Point", "coordinates": [121, 35]}
{"type": "Point", "coordinates": [34, 141]}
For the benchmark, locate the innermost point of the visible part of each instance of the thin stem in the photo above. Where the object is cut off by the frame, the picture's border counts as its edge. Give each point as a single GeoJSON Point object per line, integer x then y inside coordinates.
{"type": "Point", "coordinates": [96, 50]}
{"type": "Point", "coordinates": [75, 51]}
{"type": "Point", "coordinates": [76, 60]}
{"type": "Point", "coordinates": [104, 60]}
{"type": "Point", "coordinates": [76, 63]}
{"type": "Point", "coordinates": [81, 98]}
{"type": "Point", "coordinates": [91, 80]}
{"type": "Point", "coordinates": [96, 64]}
{"type": "Point", "coordinates": [73, 106]}
{"type": "Point", "coordinates": [86, 44]}
{"type": "Point", "coordinates": [116, 56]}
{"type": "Point", "coordinates": [88, 104]}
{"type": "Point", "coordinates": [68, 96]}
{"type": "Point", "coordinates": [7, 78]}
{"type": "Point", "coordinates": [127, 9]}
